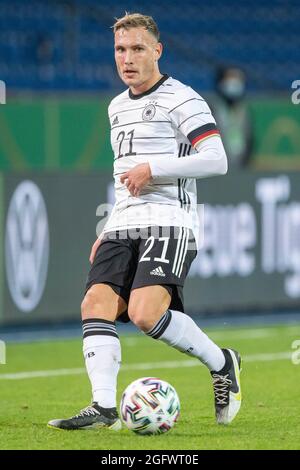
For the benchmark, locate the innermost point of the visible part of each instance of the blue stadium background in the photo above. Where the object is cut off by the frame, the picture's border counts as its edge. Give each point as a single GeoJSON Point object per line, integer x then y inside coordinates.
{"type": "Point", "coordinates": [57, 60]}
{"type": "Point", "coordinates": [67, 45]}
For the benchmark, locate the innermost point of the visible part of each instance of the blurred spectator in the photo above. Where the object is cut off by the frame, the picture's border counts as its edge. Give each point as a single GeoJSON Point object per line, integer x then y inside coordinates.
{"type": "Point", "coordinates": [45, 57]}
{"type": "Point", "coordinates": [232, 115]}
{"type": "Point", "coordinates": [44, 49]}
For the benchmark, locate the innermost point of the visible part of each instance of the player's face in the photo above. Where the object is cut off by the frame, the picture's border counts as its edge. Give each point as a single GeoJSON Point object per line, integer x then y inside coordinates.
{"type": "Point", "coordinates": [136, 55]}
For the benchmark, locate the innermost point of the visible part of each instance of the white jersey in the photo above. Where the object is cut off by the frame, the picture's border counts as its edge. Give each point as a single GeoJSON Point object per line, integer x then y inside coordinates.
{"type": "Point", "coordinates": [167, 120]}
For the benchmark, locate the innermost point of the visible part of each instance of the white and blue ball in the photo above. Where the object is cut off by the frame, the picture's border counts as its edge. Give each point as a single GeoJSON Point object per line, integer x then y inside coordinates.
{"type": "Point", "coordinates": [149, 406]}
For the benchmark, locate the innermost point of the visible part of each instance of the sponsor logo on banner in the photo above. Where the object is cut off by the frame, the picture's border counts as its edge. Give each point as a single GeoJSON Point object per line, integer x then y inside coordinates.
{"type": "Point", "coordinates": [253, 238]}
{"type": "Point", "coordinates": [27, 246]}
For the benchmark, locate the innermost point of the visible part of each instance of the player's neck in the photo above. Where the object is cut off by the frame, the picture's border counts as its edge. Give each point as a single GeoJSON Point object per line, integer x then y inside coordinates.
{"type": "Point", "coordinates": [144, 87]}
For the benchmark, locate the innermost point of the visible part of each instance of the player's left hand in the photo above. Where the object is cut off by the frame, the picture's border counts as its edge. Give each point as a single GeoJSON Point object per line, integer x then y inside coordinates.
{"type": "Point", "coordinates": [137, 178]}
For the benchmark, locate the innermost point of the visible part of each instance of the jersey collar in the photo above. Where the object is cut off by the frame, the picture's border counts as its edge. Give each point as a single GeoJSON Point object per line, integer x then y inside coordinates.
{"type": "Point", "coordinates": [151, 90]}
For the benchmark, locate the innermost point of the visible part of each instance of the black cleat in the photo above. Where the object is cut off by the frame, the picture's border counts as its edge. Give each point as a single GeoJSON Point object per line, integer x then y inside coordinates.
{"type": "Point", "coordinates": [91, 417]}
{"type": "Point", "coordinates": [227, 388]}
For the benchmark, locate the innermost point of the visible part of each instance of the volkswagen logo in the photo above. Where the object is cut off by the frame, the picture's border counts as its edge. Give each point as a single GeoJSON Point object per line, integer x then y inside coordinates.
{"type": "Point", "coordinates": [27, 246]}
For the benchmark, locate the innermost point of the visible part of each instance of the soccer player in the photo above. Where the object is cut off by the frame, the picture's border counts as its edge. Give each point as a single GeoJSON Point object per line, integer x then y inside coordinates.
{"type": "Point", "coordinates": [163, 137]}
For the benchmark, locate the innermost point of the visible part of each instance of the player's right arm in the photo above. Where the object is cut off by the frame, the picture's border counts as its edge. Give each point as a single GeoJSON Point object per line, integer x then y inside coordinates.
{"type": "Point", "coordinates": [95, 248]}
{"type": "Point", "coordinates": [97, 242]}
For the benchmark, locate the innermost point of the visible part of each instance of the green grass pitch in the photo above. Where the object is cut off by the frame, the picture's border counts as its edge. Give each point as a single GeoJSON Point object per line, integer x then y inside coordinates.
{"type": "Point", "coordinates": [269, 417]}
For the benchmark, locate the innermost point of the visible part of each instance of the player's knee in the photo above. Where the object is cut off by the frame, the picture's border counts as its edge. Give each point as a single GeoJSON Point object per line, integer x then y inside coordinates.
{"type": "Point", "coordinates": [90, 306]}
{"type": "Point", "coordinates": [86, 305]}
{"type": "Point", "coordinates": [143, 319]}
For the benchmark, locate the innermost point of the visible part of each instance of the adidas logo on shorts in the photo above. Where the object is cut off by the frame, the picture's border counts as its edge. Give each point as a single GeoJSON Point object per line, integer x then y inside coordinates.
{"type": "Point", "coordinates": [158, 272]}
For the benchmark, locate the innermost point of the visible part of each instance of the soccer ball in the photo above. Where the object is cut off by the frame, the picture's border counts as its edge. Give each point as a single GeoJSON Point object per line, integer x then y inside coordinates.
{"type": "Point", "coordinates": [149, 406]}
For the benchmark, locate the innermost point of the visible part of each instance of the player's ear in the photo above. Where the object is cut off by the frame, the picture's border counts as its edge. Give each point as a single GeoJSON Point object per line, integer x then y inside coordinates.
{"type": "Point", "coordinates": [158, 50]}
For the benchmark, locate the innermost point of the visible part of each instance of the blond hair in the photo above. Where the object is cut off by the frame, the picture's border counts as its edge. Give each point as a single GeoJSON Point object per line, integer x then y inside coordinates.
{"type": "Point", "coordinates": [137, 20]}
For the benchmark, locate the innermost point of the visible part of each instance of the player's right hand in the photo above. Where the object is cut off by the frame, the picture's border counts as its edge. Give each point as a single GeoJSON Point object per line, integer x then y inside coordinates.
{"type": "Point", "coordinates": [94, 249]}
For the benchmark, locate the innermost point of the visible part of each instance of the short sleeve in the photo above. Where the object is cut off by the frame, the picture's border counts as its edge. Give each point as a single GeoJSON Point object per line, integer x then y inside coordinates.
{"type": "Point", "coordinates": [192, 116]}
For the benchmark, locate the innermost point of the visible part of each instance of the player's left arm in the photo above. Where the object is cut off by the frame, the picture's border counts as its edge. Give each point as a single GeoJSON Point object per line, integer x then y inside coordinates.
{"type": "Point", "coordinates": [192, 116]}
{"type": "Point", "coordinates": [210, 160]}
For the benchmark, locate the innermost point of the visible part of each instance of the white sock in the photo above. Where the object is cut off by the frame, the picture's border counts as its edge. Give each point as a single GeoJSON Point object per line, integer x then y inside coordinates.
{"type": "Point", "coordinates": [178, 330]}
{"type": "Point", "coordinates": [102, 353]}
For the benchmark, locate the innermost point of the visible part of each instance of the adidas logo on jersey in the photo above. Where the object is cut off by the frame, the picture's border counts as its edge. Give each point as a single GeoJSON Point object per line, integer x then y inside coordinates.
{"type": "Point", "coordinates": [158, 272]}
{"type": "Point", "coordinates": [115, 121]}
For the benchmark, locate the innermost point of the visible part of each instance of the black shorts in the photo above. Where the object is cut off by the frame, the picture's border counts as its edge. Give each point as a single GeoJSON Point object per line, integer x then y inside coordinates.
{"type": "Point", "coordinates": [128, 259]}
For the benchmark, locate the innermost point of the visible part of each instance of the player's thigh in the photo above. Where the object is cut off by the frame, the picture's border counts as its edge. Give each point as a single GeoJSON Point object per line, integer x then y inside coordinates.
{"type": "Point", "coordinates": [165, 256]}
{"type": "Point", "coordinates": [147, 304]}
{"type": "Point", "coordinates": [102, 301]}
{"type": "Point", "coordinates": [110, 278]}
